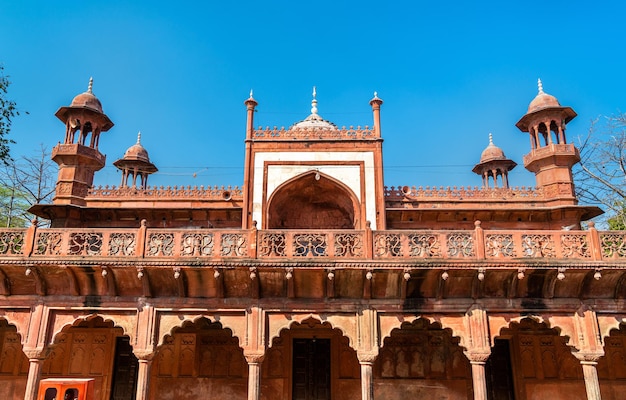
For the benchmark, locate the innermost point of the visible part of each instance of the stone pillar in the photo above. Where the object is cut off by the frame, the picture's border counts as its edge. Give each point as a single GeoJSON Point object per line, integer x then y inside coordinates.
{"type": "Point", "coordinates": [143, 374]}
{"type": "Point", "coordinates": [366, 360]}
{"type": "Point", "coordinates": [254, 375]}
{"type": "Point", "coordinates": [35, 360]}
{"type": "Point", "coordinates": [590, 374]}
{"type": "Point", "coordinates": [479, 382]}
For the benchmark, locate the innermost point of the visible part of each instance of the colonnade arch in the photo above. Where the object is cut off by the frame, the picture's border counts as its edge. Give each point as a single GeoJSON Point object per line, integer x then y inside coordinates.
{"type": "Point", "coordinates": [13, 362]}
{"type": "Point", "coordinates": [197, 359]}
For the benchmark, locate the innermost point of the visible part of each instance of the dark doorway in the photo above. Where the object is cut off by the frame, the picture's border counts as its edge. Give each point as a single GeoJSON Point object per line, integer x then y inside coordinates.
{"type": "Point", "coordinates": [124, 371]}
{"type": "Point", "coordinates": [499, 372]}
{"type": "Point", "coordinates": [311, 369]}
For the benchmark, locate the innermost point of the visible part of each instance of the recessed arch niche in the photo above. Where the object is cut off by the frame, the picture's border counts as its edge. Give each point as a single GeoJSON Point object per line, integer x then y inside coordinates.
{"type": "Point", "coordinates": [313, 201]}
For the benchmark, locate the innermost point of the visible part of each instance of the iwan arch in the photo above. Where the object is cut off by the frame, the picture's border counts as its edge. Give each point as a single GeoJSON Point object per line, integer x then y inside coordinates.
{"type": "Point", "coordinates": [314, 280]}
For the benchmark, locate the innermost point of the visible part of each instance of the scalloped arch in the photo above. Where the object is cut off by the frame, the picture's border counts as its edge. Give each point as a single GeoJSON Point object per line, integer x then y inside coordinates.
{"type": "Point", "coordinates": [169, 323]}
{"type": "Point", "coordinates": [126, 323]}
{"type": "Point", "coordinates": [455, 325]}
{"type": "Point", "coordinates": [20, 324]}
{"type": "Point", "coordinates": [341, 323]}
{"type": "Point", "coordinates": [559, 326]}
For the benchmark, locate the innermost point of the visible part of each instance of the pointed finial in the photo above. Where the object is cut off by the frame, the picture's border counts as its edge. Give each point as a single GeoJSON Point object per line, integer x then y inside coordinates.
{"type": "Point", "coordinates": [314, 102]}
{"type": "Point", "coordinates": [250, 93]}
{"type": "Point", "coordinates": [540, 86]}
{"type": "Point", "coordinates": [490, 139]}
{"type": "Point", "coordinates": [90, 87]}
{"type": "Point", "coordinates": [375, 94]}
{"type": "Point", "coordinates": [139, 137]}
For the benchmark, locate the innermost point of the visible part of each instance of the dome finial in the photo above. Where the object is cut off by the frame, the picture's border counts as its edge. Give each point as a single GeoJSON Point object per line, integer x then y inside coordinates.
{"type": "Point", "coordinates": [139, 137]}
{"type": "Point", "coordinates": [314, 102]}
{"type": "Point", "coordinates": [490, 139]}
{"type": "Point", "coordinates": [540, 86]}
{"type": "Point", "coordinates": [375, 94]}
{"type": "Point", "coordinates": [90, 87]}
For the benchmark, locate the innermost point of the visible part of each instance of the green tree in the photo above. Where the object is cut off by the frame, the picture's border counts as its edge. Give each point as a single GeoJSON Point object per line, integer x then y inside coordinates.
{"type": "Point", "coordinates": [8, 111]}
{"type": "Point", "coordinates": [27, 181]}
{"type": "Point", "coordinates": [601, 174]}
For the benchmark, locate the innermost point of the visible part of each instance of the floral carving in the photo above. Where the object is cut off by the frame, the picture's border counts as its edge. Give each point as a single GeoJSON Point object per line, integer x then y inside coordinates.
{"type": "Point", "coordinates": [234, 245]}
{"type": "Point", "coordinates": [575, 246]}
{"type": "Point", "coordinates": [424, 245]}
{"type": "Point", "coordinates": [613, 245]}
{"type": "Point", "coordinates": [388, 245]}
{"type": "Point", "coordinates": [122, 244]}
{"type": "Point", "coordinates": [85, 244]}
{"type": "Point", "coordinates": [272, 245]}
{"type": "Point", "coordinates": [460, 245]}
{"type": "Point", "coordinates": [348, 245]}
{"type": "Point", "coordinates": [48, 243]}
{"type": "Point", "coordinates": [313, 244]}
{"type": "Point", "coordinates": [499, 246]}
{"type": "Point", "coordinates": [11, 242]}
{"type": "Point", "coordinates": [538, 246]}
{"type": "Point", "coordinates": [197, 244]}
{"type": "Point", "coordinates": [160, 244]}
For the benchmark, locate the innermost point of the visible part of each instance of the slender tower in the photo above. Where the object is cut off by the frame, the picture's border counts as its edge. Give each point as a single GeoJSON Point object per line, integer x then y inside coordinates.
{"type": "Point", "coordinates": [551, 158]}
{"type": "Point", "coordinates": [78, 156]}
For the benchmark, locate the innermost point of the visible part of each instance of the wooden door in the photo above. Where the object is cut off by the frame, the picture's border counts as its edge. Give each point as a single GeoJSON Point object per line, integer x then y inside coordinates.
{"type": "Point", "coordinates": [311, 369]}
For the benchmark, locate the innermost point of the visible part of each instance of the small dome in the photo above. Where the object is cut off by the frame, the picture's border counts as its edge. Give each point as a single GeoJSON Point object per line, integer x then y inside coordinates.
{"type": "Point", "coordinates": [314, 120]}
{"type": "Point", "coordinates": [87, 100]}
{"type": "Point", "coordinates": [137, 152]}
{"type": "Point", "coordinates": [542, 100]}
{"type": "Point", "coordinates": [491, 152]}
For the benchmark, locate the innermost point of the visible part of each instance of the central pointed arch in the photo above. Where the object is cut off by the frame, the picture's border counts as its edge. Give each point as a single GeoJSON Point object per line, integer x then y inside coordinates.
{"type": "Point", "coordinates": [313, 200]}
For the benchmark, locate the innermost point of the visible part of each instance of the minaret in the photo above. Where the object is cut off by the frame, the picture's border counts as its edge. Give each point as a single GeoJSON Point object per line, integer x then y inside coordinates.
{"type": "Point", "coordinates": [135, 164]}
{"type": "Point", "coordinates": [248, 174]}
{"type": "Point", "coordinates": [550, 157]}
{"type": "Point", "coordinates": [494, 164]}
{"type": "Point", "coordinates": [78, 156]}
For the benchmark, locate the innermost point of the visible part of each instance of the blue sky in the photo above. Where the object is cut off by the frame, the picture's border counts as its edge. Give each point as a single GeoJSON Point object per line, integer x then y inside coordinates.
{"type": "Point", "coordinates": [449, 72]}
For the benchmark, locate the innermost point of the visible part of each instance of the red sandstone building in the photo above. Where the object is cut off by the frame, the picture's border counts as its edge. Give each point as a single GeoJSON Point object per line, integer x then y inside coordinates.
{"type": "Point", "coordinates": [315, 281]}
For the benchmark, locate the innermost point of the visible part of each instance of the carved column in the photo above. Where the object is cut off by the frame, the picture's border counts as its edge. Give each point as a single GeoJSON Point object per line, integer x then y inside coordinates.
{"type": "Point", "coordinates": [366, 360]}
{"type": "Point", "coordinates": [590, 373]}
{"type": "Point", "coordinates": [36, 358]}
{"type": "Point", "coordinates": [254, 375]}
{"type": "Point", "coordinates": [479, 382]}
{"type": "Point", "coordinates": [143, 374]}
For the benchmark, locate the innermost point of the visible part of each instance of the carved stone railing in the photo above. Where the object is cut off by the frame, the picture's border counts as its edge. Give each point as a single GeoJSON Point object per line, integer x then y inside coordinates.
{"type": "Point", "coordinates": [511, 246]}
{"type": "Point", "coordinates": [164, 192]}
{"type": "Point", "coordinates": [461, 193]}
{"type": "Point", "coordinates": [79, 149]}
{"type": "Point", "coordinates": [311, 133]}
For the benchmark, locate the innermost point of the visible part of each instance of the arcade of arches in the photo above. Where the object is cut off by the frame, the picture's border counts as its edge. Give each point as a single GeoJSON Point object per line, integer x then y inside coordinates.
{"type": "Point", "coordinates": [315, 357]}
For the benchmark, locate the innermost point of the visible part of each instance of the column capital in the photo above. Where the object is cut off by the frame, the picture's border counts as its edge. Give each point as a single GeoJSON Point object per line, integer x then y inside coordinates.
{"type": "Point", "coordinates": [477, 357]}
{"type": "Point", "coordinates": [589, 358]}
{"type": "Point", "coordinates": [144, 354]}
{"type": "Point", "coordinates": [36, 354]}
{"type": "Point", "coordinates": [366, 357]}
{"type": "Point", "coordinates": [254, 357]}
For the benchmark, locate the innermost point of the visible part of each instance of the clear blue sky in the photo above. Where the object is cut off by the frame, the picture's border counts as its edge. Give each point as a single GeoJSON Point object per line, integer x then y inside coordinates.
{"type": "Point", "coordinates": [449, 73]}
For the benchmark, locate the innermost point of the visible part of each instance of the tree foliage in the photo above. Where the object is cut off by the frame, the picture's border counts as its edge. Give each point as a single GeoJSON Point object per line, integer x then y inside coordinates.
{"type": "Point", "coordinates": [8, 111]}
{"type": "Point", "coordinates": [601, 174]}
{"type": "Point", "coordinates": [27, 181]}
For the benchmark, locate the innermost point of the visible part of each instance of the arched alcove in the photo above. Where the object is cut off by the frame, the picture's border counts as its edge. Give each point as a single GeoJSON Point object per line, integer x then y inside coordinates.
{"type": "Point", "coordinates": [313, 201]}
{"type": "Point", "coordinates": [309, 352]}
{"type": "Point", "coordinates": [13, 362]}
{"type": "Point", "coordinates": [421, 359]}
{"type": "Point", "coordinates": [612, 366]}
{"type": "Point", "coordinates": [93, 347]}
{"type": "Point", "coordinates": [540, 360]}
{"type": "Point", "coordinates": [199, 359]}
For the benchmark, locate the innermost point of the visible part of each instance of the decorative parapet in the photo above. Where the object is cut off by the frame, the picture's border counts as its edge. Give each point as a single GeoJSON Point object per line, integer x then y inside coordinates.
{"type": "Point", "coordinates": [551, 149]}
{"type": "Point", "coordinates": [77, 149]}
{"type": "Point", "coordinates": [477, 245]}
{"type": "Point", "coordinates": [461, 193]}
{"type": "Point", "coordinates": [312, 133]}
{"type": "Point", "coordinates": [166, 192]}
